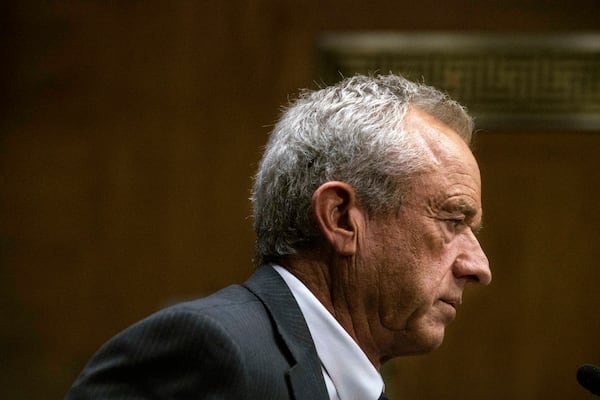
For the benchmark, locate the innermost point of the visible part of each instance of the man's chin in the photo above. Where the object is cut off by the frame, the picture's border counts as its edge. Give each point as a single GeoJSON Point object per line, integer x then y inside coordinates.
{"type": "Point", "coordinates": [433, 336]}
{"type": "Point", "coordinates": [429, 345]}
{"type": "Point", "coordinates": [422, 342]}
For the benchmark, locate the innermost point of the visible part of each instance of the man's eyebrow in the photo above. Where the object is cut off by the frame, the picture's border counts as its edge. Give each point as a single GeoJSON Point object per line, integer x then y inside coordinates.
{"type": "Point", "coordinates": [463, 207]}
{"type": "Point", "coordinates": [469, 211]}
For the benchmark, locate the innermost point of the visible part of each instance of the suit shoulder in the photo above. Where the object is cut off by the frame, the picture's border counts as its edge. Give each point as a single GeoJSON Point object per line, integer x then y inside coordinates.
{"type": "Point", "coordinates": [229, 305]}
{"type": "Point", "coordinates": [187, 348]}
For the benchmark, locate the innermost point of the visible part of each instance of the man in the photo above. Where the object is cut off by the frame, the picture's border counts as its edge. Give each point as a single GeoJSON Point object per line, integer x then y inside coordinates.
{"type": "Point", "coordinates": [366, 205]}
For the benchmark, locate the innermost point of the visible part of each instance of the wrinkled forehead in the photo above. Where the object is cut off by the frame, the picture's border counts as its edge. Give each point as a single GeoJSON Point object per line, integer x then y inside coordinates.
{"type": "Point", "coordinates": [437, 139]}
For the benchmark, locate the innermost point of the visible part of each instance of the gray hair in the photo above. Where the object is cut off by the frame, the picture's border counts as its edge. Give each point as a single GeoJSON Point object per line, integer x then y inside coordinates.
{"type": "Point", "coordinates": [351, 132]}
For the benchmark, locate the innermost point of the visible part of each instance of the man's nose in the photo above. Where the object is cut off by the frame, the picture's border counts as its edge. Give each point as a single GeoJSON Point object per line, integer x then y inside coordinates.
{"type": "Point", "coordinates": [472, 263]}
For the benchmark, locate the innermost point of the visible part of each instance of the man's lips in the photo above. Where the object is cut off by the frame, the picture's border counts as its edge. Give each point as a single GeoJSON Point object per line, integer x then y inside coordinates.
{"type": "Point", "coordinates": [452, 301]}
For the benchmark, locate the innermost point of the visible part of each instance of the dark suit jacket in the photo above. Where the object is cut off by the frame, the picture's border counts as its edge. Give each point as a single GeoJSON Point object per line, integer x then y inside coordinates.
{"type": "Point", "coordinates": [244, 342]}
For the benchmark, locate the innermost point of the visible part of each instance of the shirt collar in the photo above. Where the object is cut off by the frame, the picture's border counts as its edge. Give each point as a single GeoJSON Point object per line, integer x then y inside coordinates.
{"type": "Point", "coordinates": [351, 372]}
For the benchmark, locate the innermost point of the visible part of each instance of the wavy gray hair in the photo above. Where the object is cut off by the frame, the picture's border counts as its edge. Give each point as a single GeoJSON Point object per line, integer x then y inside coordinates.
{"type": "Point", "coordinates": [351, 132]}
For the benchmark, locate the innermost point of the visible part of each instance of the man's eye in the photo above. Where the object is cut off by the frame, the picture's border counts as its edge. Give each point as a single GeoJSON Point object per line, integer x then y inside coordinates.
{"type": "Point", "coordinates": [455, 222]}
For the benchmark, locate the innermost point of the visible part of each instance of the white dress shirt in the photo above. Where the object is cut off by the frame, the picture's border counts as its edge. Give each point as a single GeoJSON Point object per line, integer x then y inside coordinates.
{"type": "Point", "coordinates": [348, 373]}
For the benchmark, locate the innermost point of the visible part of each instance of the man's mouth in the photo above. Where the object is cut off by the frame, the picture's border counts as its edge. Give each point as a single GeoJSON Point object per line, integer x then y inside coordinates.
{"type": "Point", "coordinates": [454, 302]}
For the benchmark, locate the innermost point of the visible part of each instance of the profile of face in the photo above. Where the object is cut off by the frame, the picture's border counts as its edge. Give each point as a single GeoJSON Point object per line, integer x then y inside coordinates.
{"type": "Point", "coordinates": [422, 257]}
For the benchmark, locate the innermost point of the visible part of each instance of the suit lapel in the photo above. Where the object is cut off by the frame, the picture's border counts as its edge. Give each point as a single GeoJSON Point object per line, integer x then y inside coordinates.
{"type": "Point", "coordinates": [305, 376]}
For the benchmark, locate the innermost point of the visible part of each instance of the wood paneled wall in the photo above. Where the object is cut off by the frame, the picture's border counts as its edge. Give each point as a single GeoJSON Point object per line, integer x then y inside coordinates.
{"type": "Point", "coordinates": [130, 131]}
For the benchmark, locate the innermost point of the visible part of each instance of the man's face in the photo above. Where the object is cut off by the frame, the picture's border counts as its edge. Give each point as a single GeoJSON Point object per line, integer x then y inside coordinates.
{"type": "Point", "coordinates": [424, 254]}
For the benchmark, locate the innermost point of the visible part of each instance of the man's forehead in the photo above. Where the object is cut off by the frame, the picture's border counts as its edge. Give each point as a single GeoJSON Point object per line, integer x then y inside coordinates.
{"type": "Point", "coordinates": [437, 138]}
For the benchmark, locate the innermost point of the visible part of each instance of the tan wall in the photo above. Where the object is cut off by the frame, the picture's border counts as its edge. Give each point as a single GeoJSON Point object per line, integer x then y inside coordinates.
{"type": "Point", "coordinates": [130, 131]}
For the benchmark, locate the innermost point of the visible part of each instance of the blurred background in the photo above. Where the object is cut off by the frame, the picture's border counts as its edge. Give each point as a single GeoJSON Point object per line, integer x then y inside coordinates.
{"type": "Point", "coordinates": [130, 132]}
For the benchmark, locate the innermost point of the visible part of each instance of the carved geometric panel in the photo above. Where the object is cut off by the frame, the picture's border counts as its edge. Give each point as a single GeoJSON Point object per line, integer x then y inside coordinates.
{"type": "Point", "coordinates": [517, 81]}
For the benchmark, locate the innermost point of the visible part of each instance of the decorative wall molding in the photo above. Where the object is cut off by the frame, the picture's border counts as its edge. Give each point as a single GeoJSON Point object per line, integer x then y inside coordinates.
{"type": "Point", "coordinates": [508, 81]}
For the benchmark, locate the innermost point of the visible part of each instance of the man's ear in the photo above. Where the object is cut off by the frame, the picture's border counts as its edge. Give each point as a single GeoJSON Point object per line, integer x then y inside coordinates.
{"type": "Point", "coordinates": [335, 208]}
